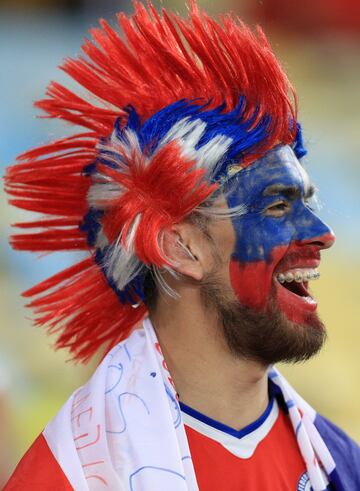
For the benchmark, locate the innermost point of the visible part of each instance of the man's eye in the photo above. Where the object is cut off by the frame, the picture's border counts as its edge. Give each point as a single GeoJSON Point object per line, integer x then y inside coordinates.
{"type": "Point", "coordinates": [277, 209]}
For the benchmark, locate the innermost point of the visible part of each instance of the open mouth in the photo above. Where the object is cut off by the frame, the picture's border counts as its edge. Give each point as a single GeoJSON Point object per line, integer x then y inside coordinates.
{"type": "Point", "coordinates": [299, 289]}
{"type": "Point", "coordinates": [296, 282]}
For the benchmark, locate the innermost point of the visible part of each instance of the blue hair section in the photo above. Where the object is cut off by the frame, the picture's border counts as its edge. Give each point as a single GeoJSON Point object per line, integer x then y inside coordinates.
{"type": "Point", "coordinates": [245, 135]}
{"type": "Point", "coordinates": [230, 124]}
{"type": "Point", "coordinates": [91, 225]}
{"type": "Point", "coordinates": [134, 291]}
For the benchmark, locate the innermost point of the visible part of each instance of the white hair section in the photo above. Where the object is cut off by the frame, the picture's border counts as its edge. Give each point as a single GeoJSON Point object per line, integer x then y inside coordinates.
{"type": "Point", "coordinates": [104, 189]}
{"type": "Point", "coordinates": [186, 130]}
{"type": "Point", "coordinates": [127, 142]}
{"type": "Point", "coordinates": [100, 193]}
{"type": "Point", "coordinates": [101, 240]}
{"type": "Point", "coordinates": [210, 154]}
{"type": "Point", "coordinates": [165, 287]}
{"type": "Point", "coordinates": [120, 265]}
{"type": "Point", "coordinates": [218, 212]}
{"type": "Point", "coordinates": [131, 143]}
{"type": "Point", "coordinates": [120, 148]}
{"type": "Point", "coordinates": [188, 134]}
{"type": "Point", "coordinates": [130, 239]}
{"type": "Point", "coordinates": [120, 262]}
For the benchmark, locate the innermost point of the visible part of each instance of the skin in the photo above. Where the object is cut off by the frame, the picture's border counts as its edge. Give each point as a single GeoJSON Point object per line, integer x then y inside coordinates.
{"type": "Point", "coordinates": [277, 232]}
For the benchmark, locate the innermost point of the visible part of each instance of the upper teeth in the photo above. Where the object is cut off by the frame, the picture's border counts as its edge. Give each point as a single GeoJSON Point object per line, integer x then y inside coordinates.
{"type": "Point", "coordinates": [298, 275]}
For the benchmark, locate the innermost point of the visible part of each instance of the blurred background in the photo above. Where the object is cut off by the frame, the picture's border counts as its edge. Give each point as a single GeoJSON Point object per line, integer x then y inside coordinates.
{"type": "Point", "coordinates": [319, 46]}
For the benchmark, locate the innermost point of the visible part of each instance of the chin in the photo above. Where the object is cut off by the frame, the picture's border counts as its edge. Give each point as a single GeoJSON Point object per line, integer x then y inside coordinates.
{"type": "Point", "coordinates": [282, 331]}
{"type": "Point", "coordinates": [296, 334]}
{"type": "Point", "coordinates": [299, 311]}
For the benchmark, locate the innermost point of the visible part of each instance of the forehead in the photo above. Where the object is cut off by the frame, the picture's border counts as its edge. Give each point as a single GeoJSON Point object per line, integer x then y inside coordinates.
{"type": "Point", "coordinates": [278, 166]}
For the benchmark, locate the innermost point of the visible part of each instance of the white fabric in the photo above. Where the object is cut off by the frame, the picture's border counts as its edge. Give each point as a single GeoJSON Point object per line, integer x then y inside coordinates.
{"type": "Point", "coordinates": [302, 417]}
{"type": "Point", "coordinates": [243, 447]}
{"type": "Point", "coordinates": [123, 430]}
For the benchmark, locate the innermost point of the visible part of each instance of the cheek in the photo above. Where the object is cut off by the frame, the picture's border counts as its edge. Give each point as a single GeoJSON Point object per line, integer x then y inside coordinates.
{"type": "Point", "coordinates": [252, 281]}
{"type": "Point", "coordinates": [261, 243]}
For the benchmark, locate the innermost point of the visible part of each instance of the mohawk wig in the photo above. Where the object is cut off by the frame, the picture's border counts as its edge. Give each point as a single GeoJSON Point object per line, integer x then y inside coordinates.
{"type": "Point", "coordinates": [170, 104]}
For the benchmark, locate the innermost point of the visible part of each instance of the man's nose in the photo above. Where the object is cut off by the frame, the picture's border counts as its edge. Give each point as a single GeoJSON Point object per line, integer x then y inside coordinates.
{"type": "Point", "coordinates": [323, 242]}
{"type": "Point", "coordinates": [315, 232]}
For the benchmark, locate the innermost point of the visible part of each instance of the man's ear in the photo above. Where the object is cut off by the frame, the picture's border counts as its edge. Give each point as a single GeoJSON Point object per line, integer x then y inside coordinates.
{"type": "Point", "coordinates": [189, 250]}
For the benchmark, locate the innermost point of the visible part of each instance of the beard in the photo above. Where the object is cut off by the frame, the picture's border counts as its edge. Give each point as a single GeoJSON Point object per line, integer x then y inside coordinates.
{"type": "Point", "coordinates": [265, 337]}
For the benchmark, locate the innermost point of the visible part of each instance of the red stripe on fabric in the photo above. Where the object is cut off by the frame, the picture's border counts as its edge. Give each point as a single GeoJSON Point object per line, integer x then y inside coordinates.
{"type": "Point", "coordinates": [38, 470]}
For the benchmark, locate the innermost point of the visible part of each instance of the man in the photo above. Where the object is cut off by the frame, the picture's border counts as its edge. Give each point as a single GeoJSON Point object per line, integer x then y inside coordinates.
{"type": "Point", "coordinates": [188, 192]}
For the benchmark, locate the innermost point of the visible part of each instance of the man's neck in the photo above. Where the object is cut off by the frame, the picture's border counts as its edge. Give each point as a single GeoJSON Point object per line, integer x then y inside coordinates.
{"type": "Point", "coordinates": [206, 374]}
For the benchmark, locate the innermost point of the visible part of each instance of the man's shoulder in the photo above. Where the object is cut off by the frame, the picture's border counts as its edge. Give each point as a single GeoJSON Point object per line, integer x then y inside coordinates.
{"type": "Point", "coordinates": [38, 469]}
{"type": "Point", "coordinates": [337, 439]}
{"type": "Point", "coordinates": [344, 450]}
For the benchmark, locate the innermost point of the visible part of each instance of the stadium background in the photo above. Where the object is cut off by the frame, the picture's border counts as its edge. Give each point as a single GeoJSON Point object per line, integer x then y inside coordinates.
{"type": "Point", "coordinates": [319, 45]}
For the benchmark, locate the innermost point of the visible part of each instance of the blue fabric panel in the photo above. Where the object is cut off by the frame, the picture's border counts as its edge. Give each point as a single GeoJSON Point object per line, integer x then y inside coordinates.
{"type": "Point", "coordinates": [345, 452]}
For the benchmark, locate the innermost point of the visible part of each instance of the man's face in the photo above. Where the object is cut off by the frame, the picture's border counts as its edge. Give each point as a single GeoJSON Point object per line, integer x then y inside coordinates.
{"type": "Point", "coordinates": [279, 238]}
{"type": "Point", "coordinates": [260, 290]}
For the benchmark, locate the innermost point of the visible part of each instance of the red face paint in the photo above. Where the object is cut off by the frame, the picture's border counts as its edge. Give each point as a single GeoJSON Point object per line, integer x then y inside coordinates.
{"type": "Point", "coordinates": [278, 237]}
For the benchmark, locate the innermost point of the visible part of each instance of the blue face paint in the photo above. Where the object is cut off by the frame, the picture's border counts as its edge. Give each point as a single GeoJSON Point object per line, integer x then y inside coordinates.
{"type": "Point", "coordinates": [278, 223]}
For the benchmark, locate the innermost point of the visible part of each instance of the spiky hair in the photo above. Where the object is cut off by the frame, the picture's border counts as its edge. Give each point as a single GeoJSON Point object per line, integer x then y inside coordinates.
{"type": "Point", "coordinates": [170, 103]}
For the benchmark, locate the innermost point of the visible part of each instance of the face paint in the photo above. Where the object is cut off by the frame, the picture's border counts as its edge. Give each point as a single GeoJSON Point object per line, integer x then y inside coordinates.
{"type": "Point", "coordinates": [279, 235]}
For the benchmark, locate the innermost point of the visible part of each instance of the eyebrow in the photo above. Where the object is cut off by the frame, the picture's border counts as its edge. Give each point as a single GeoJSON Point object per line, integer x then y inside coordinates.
{"type": "Point", "coordinates": [290, 192]}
